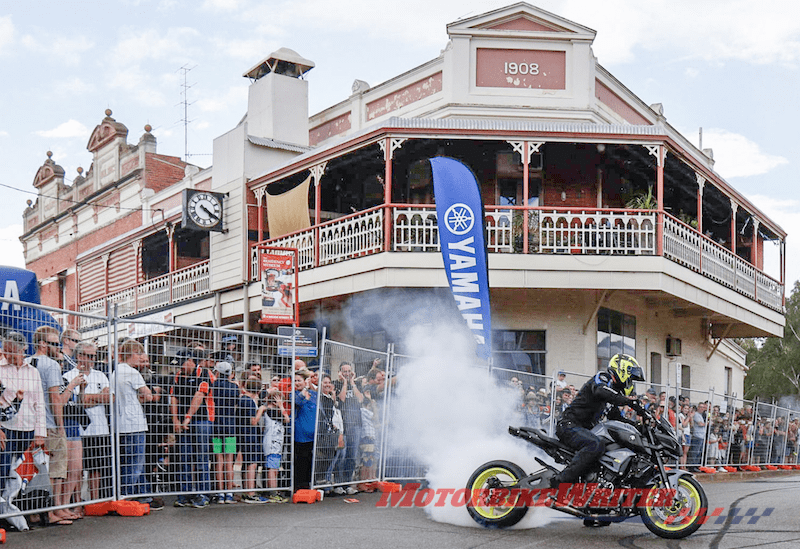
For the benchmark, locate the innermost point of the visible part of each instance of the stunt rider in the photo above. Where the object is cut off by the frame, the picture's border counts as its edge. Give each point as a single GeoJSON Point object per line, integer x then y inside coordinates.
{"type": "Point", "coordinates": [605, 391]}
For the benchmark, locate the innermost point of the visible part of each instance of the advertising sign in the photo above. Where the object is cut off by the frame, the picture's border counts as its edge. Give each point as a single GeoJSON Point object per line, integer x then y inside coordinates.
{"type": "Point", "coordinates": [278, 268]}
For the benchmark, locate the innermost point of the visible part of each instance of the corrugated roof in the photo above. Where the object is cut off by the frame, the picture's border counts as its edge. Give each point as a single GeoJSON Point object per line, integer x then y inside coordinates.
{"type": "Point", "coordinates": [275, 144]}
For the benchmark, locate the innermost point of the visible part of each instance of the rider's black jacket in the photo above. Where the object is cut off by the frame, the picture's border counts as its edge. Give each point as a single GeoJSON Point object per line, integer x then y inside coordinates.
{"type": "Point", "coordinates": [595, 397]}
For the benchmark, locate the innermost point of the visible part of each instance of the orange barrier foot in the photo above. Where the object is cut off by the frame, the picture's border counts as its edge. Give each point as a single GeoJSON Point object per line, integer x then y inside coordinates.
{"type": "Point", "coordinates": [709, 470]}
{"type": "Point", "coordinates": [730, 469]}
{"type": "Point", "coordinates": [124, 508]}
{"type": "Point", "coordinates": [772, 468]}
{"type": "Point", "coordinates": [306, 496]}
{"type": "Point", "coordinates": [98, 509]}
{"type": "Point", "coordinates": [2, 535]}
{"type": "Point", "coordinates": [390, 487]}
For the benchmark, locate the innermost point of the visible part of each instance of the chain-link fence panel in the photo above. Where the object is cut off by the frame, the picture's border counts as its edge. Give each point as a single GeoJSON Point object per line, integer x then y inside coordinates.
{"type": "Point", "coordinates": [56, 421]}
{"type": "Point", "coordinates": [398, 463]}
{"type": "Point", "coordinates": [209, 415]}
{"type": "Point", "coordinates": [351, 412]}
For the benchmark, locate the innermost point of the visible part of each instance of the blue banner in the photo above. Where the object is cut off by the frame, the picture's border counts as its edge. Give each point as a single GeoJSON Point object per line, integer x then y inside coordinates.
{"type": "Point", "coordinates": [459, 211]}
{"type": "Point", "coordinates": [21, 285]}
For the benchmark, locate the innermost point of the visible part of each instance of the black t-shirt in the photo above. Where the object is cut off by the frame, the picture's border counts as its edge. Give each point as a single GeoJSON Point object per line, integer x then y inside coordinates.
{"type": "Point", "coordinates": [185, 387]}
{"type": "Point", "coordinates": [351, 408]}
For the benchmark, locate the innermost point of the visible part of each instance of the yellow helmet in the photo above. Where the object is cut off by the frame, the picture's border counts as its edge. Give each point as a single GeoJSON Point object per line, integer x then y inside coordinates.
{"type": "Point", "coordinates": [625, 370]}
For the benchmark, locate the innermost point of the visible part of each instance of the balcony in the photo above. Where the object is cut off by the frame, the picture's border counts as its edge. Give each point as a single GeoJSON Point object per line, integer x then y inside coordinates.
{"type": "Point", "coordinates": [568, 231]}
{"type": "Point", "coordinates": [155, 293]}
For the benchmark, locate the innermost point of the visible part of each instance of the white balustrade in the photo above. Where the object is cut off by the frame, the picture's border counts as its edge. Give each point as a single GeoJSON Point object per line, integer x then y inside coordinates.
{"type": "Point", "coordinates": [682, 244]}
{"type": "Point", "coordinates": [415, 230]}
{"type": "Point", "coordinates": [190, 282]}
{"type": "Point", "coordinates": [351, 237]}
{"type": "Point", "coordinates": [769, 292]}
{"type": "Point", "coordinates": [597, 232]}
{"type": "Point", "coordinates": [303, 242]}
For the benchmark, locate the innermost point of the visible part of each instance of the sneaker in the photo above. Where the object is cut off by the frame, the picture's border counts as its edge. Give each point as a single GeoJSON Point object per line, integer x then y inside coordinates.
{"type": "Point", "coordinates": [157, 504]}
{"type": "Point", "coordinates": [219, 499]}
{"type": "Point", "coordinates": [277, 498]}
{"type": "Point", "coordinates": [182, 501]}
{"type": "Point", "coordinates": [350, 490]}
{"type": "Point", "coordinates": [339, 491]}
{"type": "Point", "coordinates": [198, 502]}
{"type": "Point", "coordinates": [228, 499]}
{"type": "Point", "coordinates": [254, 499]}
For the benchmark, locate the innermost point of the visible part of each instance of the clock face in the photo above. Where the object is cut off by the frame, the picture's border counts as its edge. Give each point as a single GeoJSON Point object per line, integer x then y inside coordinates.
{"type": "Point", "coordinates": [204, 209]}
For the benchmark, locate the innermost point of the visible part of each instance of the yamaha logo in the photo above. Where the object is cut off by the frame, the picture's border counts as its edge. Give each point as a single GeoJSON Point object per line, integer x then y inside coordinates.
{"type": "Point", "coordinates": [459, 219]}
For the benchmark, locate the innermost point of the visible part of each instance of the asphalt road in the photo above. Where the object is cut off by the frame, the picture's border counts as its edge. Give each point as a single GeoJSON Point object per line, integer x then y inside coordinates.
{"type": "Point", "coordinates": [336, 523]}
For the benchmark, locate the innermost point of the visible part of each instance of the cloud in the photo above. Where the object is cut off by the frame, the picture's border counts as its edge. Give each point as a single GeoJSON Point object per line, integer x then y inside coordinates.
{"type": "Point", "coordinates": [137, 45]}
{"type": "Point", "coordinates": [251, 49]}
{"type": "Point", "coordinates": [66, 49]}
{"type": "Point", "coordinates": [735, 155]}
{"type": "Point", "coordinates": [234, 96]}
{"type": "Point", "coordinates": [6, 33]}
{"type": "Point", "coordinates": [741, 31]}
{"type": "Point", "coordinates": [11, 247]}
{"type": "Point", "coordinates": [74, 85]}
{"type": "Point", "coordinates": [222, 5]}
{"type": "Point", "coordinates": [3, 133]}
{"type": "Point", "coordinates": [71, 128]}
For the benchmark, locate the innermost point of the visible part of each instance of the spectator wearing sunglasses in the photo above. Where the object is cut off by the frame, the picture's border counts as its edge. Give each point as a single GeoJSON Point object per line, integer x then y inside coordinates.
{"type": "Point", "coordinates": [96, 438]}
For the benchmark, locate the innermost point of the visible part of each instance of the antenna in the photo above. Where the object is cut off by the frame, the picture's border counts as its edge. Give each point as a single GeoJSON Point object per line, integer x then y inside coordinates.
{"type": "Point", "coordinates": [185, 93]}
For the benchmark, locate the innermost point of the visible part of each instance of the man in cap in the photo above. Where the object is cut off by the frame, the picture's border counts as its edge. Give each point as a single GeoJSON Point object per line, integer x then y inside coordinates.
{"type": "Point", "coordinates": [223, 441]}
{"type": "Point", "coordinates": [230, 352]}
{"type": "Point", "coordinates": [192, 409]}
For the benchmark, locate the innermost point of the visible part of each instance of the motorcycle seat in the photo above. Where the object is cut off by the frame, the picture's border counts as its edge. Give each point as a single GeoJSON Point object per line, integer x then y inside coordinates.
{"type": "Point", "coordinates": [531, 432]}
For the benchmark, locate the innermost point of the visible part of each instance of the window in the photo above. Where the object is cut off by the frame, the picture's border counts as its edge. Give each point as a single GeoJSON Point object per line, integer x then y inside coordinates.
{"type": "Point", "coordinates": [686, 380]}
{"type": "Point", "coordinates": [520, 350]}
{"type": "Point", "coordinates": [616, 333]}
{"type": "Point", "coordinates": [655, 369]}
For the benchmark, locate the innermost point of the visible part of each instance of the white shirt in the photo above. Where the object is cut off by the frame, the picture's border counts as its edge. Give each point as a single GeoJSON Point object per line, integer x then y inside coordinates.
{"type": "Point", "coordinates": [125, 383]}
{"type": "Point", "coordinates": [31, 415]}
{"type": "Point", "coordinates": [96, 381]}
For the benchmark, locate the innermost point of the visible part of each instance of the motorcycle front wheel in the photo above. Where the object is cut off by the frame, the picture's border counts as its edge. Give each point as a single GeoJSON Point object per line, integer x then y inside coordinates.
{"type": "Point", "coordinates": [491, 503]}
{"type": "Point", "coordinates": [682, 517]}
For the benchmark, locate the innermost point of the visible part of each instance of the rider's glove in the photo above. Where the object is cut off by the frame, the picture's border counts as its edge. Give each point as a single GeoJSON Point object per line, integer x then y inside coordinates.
{"type": "Point", "coordinates": [638, 408]}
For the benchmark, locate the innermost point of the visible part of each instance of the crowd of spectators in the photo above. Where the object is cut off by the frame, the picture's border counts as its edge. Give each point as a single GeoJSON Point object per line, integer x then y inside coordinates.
{"type": "Point", "coordinates": [716, 437]}
{"type": "Point", "coordinates": [195, 427]}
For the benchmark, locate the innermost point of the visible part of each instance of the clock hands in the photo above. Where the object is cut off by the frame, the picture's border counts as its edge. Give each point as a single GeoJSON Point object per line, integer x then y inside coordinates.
{"type": "Point", "coordinates": [209, 212]}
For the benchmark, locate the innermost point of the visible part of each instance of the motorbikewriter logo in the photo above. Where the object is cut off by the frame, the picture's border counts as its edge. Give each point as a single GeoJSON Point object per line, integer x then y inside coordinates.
{"type": "Point", "coordinates": [575, 495]}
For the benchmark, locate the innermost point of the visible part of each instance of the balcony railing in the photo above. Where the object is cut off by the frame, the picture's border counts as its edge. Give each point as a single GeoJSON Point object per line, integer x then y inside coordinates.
{"type": "Point", "coordinates": [550, 231]}
{"type": "Point", "coordinates": [413, 228]}
{"type": "Point", "coordinates": [169, 289]}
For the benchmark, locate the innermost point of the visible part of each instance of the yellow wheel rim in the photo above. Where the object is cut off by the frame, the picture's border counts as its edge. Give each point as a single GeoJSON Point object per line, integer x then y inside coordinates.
{"type": "Point", "coordinates": [683, 512]}
{"type": "Point", "coordinates": [482, 494]}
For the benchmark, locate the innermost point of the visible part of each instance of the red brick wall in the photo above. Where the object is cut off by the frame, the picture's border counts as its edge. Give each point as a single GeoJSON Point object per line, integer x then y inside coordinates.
{"type": "Point", "coordinates": [161, 171]}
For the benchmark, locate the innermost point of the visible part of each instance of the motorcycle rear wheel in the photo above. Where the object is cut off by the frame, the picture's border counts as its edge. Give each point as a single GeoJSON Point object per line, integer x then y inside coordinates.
{"type": "Point", "coordinates": [683, 517]}
{"type": "Point", "coordinates": [491, 504]}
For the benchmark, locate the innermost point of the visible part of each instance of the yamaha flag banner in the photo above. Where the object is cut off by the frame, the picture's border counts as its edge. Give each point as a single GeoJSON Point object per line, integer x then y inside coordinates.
{"type": "Point", "coordinates": [459, 212]}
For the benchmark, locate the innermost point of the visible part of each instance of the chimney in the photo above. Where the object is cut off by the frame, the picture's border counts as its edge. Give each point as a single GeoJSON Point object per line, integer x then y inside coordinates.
{"type": "Point", "coordinates": [277, 106]}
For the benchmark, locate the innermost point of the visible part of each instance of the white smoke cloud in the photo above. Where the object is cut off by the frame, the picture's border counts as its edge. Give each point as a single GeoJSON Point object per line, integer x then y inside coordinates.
{"type": "Point", "coordinates": [452, 417]}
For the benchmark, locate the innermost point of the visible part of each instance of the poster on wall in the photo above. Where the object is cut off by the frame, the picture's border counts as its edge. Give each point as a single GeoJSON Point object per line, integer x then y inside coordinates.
{"type": "Point", "coordinates": [278, 285]}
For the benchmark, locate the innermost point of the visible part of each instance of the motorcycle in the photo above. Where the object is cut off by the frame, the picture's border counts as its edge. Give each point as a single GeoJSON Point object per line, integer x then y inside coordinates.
{"type": "Point", "coordinates": [630, 479]}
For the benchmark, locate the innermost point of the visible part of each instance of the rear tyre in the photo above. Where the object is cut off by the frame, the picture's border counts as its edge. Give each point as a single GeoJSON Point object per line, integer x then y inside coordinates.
{"type": "Point", "coordinates": [492, 504]}
{"type": "Point", "coordinates": [685, 514]}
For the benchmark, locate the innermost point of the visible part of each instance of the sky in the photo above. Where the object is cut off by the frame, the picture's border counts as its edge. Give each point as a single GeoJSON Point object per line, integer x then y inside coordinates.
{"type": "Point", "coordinates": [728, 67]}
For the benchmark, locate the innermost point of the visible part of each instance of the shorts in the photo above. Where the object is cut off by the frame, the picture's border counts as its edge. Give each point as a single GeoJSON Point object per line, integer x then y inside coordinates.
{"type": "Point", "coordinates": [250, 447]}
{"type": "Point", "coordinates": [687, 440]}
{"type": "Point", "coordinates": [57, 447]}
{"type": "Point", "coordinates": [97, 453]}
{"type": "Point", "coordinates": [223, 445]}
{"type": "Point", "coordinates": [274, 461]}
{"type": "Point", "coordinates": [367, 448]}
